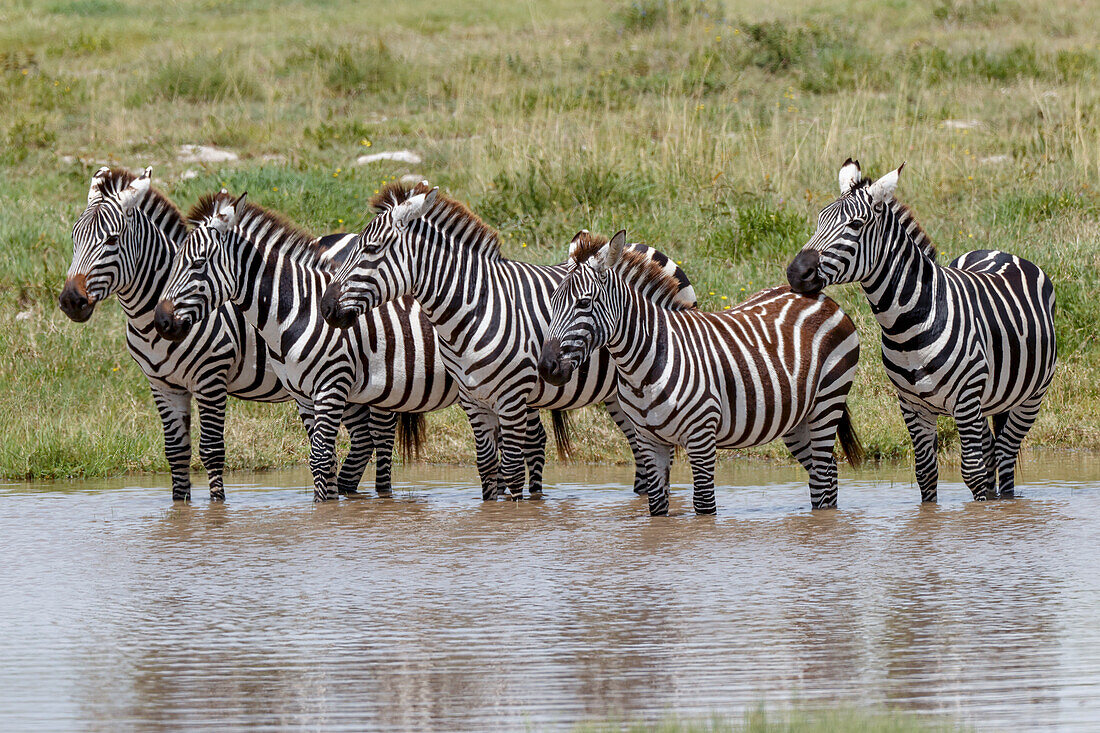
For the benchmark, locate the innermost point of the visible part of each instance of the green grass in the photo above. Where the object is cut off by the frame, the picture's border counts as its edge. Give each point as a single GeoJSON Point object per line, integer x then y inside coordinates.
{"type": "Point", "coordinates": [712, 130]}
{"type": "Point", "coordinates": [794, 720]}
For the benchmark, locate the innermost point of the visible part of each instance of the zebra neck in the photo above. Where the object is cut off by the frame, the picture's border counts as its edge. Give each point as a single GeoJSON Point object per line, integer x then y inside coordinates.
{"type": "Point", "coordinates": [638, 343]}
{"type": "Point", "coordinates": [459, 290]}
{"type": "Point", "coordinates": [156, 241]}
{"type": "Point", "coordinates": [903, 288]}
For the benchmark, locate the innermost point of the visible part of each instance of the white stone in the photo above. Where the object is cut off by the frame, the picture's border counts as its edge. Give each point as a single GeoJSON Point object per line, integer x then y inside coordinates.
{"type": "Point", "coordinates": [411, 179]}
{"type": "Point", "coordinates": [996, 159]}
{"type": "Point", "coordinates": [962, 124]}
{"type": "Point", "coordinates": [400, 156]}
{"type": "Point", "coordinates": [188, 174]}
{"type": "Point", "coordinates": [273, 158]}
{"type": "Point", "coordinates": [205, 154]}
{"type": "Point", "coordinates": [68, 158]}
{"type": "Point", "coordinates": [24, 315]}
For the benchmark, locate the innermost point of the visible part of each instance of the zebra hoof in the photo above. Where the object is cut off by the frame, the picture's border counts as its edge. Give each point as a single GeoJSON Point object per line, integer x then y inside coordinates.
{"type": "Point", "coordinates": [384, 494]}
{"type": "Point", "coordinates": [217, 496]}
{"type": "Point", "coordinates": [535, 495]}
{"type": "Point", "coordinates": [349, 492]}
{"type": "Point", "coordinates": [181, 496]}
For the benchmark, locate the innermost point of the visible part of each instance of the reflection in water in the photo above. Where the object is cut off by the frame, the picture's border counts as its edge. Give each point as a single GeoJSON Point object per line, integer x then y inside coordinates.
{"type": "Point", "coordinates": [433, 610]}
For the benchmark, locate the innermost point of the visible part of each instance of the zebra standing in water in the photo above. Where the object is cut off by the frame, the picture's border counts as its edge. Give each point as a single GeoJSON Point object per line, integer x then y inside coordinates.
{"type": "Point", "coordinates": [275, 273]}
{"type": "Point", "coordinates": [972, 340]}
{"type": "Point", "coordinates": [123, 243]}
{"type": "Point", "coordinates": [778, 365]}
{"type": "Point", "coordinates": [491, 315]}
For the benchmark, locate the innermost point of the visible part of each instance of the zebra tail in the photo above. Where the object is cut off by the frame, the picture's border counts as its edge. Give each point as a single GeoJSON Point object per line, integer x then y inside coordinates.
{"type": "Point", "coordinates": [410, 434]}
{"type": "Point", "coordinates": [561, 434]}
{"type": "Point", "coordinates": [849, 441]}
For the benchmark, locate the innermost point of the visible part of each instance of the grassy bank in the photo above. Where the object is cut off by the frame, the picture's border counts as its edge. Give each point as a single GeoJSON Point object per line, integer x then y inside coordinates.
{"type": "Point", "coordinates": [795, 720]}
{"type": "Point", "coordinates": [712, 130]}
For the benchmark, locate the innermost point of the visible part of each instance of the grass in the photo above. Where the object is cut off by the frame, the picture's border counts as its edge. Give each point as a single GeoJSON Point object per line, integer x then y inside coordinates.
{"type": "Point", "coordinates": [793, 720]}
{"type": "Point", "coordinates": [712, 130]}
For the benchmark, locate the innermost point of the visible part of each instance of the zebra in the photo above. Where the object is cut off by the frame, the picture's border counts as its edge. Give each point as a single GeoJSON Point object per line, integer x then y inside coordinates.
{"type": "Point", "coordinates": [778, 365]}
{"type": "Point", "coordinates": [123, 243]}
{"type": "Point", "coordinates": [491, 314]}
{"type": "Point", "coordinates": [274, 273]}
{"type": "Point", "coordinates": [972, 340]}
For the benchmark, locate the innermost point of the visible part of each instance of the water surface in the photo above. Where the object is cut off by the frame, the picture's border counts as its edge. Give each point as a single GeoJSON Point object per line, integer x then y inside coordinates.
{"type": "Point", "coordinates": [433, 610]}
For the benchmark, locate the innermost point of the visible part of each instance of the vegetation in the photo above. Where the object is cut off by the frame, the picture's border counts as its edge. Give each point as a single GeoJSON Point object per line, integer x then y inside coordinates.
{"type": "Point", "coordinates": [795, 720]}
{"type": "Point", "coordinates": [713, 130]}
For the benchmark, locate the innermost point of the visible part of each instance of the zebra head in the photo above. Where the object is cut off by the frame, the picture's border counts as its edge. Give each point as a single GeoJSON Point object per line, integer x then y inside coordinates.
{"type": "Point", "coordinates": [201, 280]}
{"type": "Point", "coordinates": [105, 246]}
{"type": "Point", "coordinates": [582, 315]}
{"type": "Point", "coordinates": [380, 266]}
{"type": "Point", "coordinates": [848, 243]}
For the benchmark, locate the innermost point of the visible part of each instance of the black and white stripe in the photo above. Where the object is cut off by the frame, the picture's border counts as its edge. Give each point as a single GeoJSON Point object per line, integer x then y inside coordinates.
{"type": "Point", "coordinates": [778, 365]}
{"type": "Point", "coordinates": [275, 274]}
{"type": "Point", "coordinates": [491, 314]}
{"type": "Point", "coordinates": [123, 243]}
{"type": "Point", "coordinates": [974, 340]}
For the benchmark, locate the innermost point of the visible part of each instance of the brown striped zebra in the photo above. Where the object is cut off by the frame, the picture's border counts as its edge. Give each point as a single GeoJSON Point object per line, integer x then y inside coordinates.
{"type": "Point", "coordinates": [778, 365]}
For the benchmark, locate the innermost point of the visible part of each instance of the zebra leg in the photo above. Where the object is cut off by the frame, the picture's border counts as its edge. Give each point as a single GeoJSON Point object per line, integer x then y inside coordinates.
{"type": "Point", "coordinates": [535, 453]}
{"type": "Point", "coordinates": [360, 431]}
{"type": "Point", "coordinates": [798, 443]}
{"type": "Point", "coordinates": [657, 459]}
{"type": "Point", "coordinates": [701, 456]}
{"type": "Point", "coordinates": [322, 449]}
{"type": "Point", "coordinates": [922, 431]}
{"type": "Point", "coordinates": [641, 479]}
{"type": "Point", "coordinates": [514, 444]}
{"type": "Point", "coordinates": [383, 428]}
{"type": "Point", "coordinates": [212, 440]}
{"type": "Point", "coordinates": [484, 425]}
{"type": "Point", "coordinates": [175, 417]}
{"type": "Point", "coordinates": [1011, 434]}
{"type": "Point", "coordinates": [988, 443]}
{"type": "Point", "coordinates": [972, 427]}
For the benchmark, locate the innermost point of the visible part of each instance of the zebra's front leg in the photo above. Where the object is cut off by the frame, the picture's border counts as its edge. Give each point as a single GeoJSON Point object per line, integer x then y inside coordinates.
{"type": "Point", "coordinates": [641, 478]}
{"type": "Point", "coordinates": [972, 429]}
{"type": "Point", "coordinates": [657, 458]}
{"type": "Point", "coordinates": [322, 448]}
{"type": "Point", "coordinates": [212, 439]}
{"type": "Point", "coordinates": [1009, 437]}
{"type": "Point", "coordinates": [175, 416]}
{"type": "Point", "coordinates": [535, 454]}
{"type": "Point", "coordinates": [701, 456]}
{"type": "Point", "coordinates": [990, 455]}
{"type": "Point", "coordinates": [922, 431]}
{"type": "Point", "coordinates": [515, 446]}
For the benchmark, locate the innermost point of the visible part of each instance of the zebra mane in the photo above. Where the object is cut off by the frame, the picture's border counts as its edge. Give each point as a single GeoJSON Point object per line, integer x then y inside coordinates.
{"type": "Point", "coordinates": [156, 205]}
{"type": "Point", "coordinates": [914, 229]}
{"type": "Point", "coordinates": [450, 216]}
{"type": "Point", "coordinates": [279, 234]}
{"type": "Point", "coordinates": [643, 268]}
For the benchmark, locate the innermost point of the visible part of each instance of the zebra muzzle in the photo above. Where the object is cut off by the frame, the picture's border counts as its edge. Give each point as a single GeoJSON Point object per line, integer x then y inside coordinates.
{"type": "Point", "coordinates": [553, 366]}
{"type": "Point", "coordinates": [168, 324]}
{"type": "Point", "coordinates": [331, 310]}
{"type": "Point", "coordinates": [74, 300]}
{"type": "Point", "coordinates": [802, 273]}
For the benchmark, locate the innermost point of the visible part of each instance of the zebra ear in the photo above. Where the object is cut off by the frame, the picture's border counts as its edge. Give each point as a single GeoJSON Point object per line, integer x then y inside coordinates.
{"type": "Point", "coordinates": [609, 254]}
{"type": "Point", "coordinates": [414, 207]}
{"type": "Point", "coordinates": [226, 216]}
{"type": "Point", "coordinates": [576, 243]}
{"type": "Point", "coordinates": [130, 196]}
{"type": "Point", "coordinates": [883, 189]}
{"type": "Point", "coordinates": [850, 175]}
{"type": "Point", "coordinates": [95, 193]}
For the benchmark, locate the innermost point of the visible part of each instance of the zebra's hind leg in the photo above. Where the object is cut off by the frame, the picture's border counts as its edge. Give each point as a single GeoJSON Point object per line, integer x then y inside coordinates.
{"type": "Point", "coordinates": [1010, 434]}
{"type": "Point", "coordinates": [212, 439]}
{"type": "Point", "coordinates": [922, 431]}
{"type": "Point", "coordinates": [701, 456]}
{"type": "Point", "coordinates": [535, 453]}
{"type": "Point", "coordinates": [514, 445]}
{"type": "Point", "coordinates": [322, 447]}
{"type": "Point", "coordinates": [798, 443]}
{"type": "Point", "coordinates": [972, 429]}
{"type": "Point", "coordinates": [383, 429]}
{"type": "Point", "coordinates": [175, 416]}
{"type": "Point", "coordinates": [485, 427]}
{"type": "Point", "coordinates": [641, 478]}
{"type": "Point", "coordinates": [357, 419]}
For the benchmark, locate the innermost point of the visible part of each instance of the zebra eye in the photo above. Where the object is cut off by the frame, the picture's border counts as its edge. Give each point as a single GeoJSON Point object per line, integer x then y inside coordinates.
{"type": "Point", "coordinates": [199, 262]}
{"type": "Point", "coordinates": [584, 303]}
{"type": "Point", "coordinates": [858, 223]}
{"type": "Point", "coordinates": [111, 241]}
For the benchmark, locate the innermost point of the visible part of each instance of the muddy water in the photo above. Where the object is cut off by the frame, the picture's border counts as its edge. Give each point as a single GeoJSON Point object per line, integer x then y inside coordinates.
{"type": "Point", "coordinates": [435, 611]}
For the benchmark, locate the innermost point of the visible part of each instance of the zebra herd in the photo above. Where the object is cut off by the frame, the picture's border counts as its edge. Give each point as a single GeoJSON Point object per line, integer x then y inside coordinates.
{"type": "Point", "coordinates": [421, 310]}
